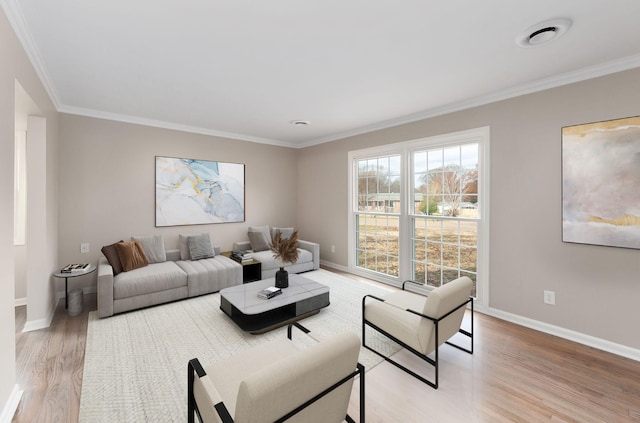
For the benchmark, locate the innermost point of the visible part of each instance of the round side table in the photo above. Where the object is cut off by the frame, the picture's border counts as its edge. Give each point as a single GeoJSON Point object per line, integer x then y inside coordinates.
{"type": "Point", "coordinates": [67, 275]}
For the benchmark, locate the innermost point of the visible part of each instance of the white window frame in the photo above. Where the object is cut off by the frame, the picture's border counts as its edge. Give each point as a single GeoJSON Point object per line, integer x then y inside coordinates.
{"type": "Point", "coordinates": [479, 135]}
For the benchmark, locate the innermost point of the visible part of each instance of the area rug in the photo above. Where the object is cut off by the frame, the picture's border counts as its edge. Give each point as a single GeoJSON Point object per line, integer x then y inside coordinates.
{"type": "Point", "coordinates": [135, 367]}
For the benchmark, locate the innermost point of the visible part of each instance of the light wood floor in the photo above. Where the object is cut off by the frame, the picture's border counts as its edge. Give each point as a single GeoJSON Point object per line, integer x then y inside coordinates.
{"type": "Point", "coordinates": [515, 375]}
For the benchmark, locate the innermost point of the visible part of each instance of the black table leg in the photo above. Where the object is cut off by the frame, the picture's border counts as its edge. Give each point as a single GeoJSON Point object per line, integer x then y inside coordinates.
{"type": "Point", "coordinates": [66, 294]}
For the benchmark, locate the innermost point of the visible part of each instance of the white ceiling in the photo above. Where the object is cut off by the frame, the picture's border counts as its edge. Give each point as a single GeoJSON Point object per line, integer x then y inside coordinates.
{"type": "Point", "coordinates": [246, 69]}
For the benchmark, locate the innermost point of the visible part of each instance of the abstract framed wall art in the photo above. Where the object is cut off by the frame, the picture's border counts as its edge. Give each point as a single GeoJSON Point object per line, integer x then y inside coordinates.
{"type": "Point", "coordinates": [196, 192]}
{"type": "Point", "coordinates": [601, 183]}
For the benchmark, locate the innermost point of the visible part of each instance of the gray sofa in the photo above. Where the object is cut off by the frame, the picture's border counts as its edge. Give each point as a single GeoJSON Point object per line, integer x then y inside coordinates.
{"type": "Point", "coordinates": [158, 283]}
{"type": "Point", "coordinates": [259, 238]}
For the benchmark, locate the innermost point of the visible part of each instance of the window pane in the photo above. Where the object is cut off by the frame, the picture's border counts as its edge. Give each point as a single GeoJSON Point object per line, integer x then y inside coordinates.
{"type": "Point", "coordinates": [435, 160]}
{"type": "Point", "coordinates": [434, 275]}
{"type": "Point", "coordinates": [434, 230]}
{"type": "Point", "coordinates": [446, 191]}
{"type": "Point", "coordinates": [450, 255]}
{"type": "Point", "coordinates": [378, 243]}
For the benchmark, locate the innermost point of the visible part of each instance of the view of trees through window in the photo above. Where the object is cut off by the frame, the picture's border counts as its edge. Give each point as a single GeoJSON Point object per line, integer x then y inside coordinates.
{"type": "Point", "coordinates": [445, 227]}
{"type": "Point", "coordinates": [378, 211]}
{"type": "Point", "coordinates": [437, 225]}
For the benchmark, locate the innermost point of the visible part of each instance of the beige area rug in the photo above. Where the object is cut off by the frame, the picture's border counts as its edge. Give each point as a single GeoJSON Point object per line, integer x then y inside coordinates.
{"type": "Point", "coordinates": [135, 367]}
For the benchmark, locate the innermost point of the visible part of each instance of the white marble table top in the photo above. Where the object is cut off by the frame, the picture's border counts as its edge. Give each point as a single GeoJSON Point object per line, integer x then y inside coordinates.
{"type": "Point", "coordinates": [245, 297]}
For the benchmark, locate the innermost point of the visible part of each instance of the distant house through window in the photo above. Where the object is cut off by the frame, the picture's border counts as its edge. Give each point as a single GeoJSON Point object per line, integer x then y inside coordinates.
{"type": "Point", "coordinates": [419, 210]}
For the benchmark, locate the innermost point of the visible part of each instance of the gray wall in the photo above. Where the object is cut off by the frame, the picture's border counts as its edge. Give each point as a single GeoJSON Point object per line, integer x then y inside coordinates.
{"type": "Point", "coordinates": [597, 288]}
{"type": "Point", "coordinates": [107, 184]}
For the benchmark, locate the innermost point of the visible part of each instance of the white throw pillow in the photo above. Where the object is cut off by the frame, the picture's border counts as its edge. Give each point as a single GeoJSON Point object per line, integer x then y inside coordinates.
{"type": "Point", "coordinates": [285, 233]}
{"type": "Point", "coordinates": [200, 247]}
{"type": "Point", "coordinates": [259, 237]}
{"type": "Point", "coordinates": [153, 246]}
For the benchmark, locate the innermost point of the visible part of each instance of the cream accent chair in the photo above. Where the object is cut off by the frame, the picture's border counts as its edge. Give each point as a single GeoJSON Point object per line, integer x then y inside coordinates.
{"type": "Point", "coordinates": [420, 323]}
{"type": "Point", "coordinates": [277, 381]}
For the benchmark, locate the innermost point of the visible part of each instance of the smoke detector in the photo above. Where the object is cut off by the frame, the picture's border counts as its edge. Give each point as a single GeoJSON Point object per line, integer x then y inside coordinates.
{"type": "Point", "coordinates": [543, 32]}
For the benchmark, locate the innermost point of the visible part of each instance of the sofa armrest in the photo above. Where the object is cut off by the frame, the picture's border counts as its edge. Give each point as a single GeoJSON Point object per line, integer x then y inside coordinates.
{"type": "Point", "coordinates": [314, 248]}
{"type": "Point", "coordinates": [105, 288]}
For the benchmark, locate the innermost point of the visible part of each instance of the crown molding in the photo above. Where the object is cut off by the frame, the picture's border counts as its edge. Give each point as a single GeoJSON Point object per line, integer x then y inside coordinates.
{"type": "Point", "coordinates": [170, 125]}
{"type": "Point", "coordinates": [16, 19]}
{"type": "Point", "coordinates": [590, 72]}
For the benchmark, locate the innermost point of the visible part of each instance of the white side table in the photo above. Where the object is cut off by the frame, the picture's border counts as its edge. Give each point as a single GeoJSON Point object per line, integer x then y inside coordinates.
{"type": "Point", "coordinates": [67, 275]}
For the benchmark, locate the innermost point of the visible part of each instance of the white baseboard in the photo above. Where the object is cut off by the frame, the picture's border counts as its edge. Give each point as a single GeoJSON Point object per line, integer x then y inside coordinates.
{"type": "Point", "coordinates": [20, 302]}
{"type": "Point", "coordinates": [334, 265]}
{"type": "Point", "coordinates": [46, 322]}
{"type": "Point", "coordinates": [581, 338]}
{"type": "Point", "coordinates": [10, 407]}
{"type": "Point", "coordinates": [32, 325]}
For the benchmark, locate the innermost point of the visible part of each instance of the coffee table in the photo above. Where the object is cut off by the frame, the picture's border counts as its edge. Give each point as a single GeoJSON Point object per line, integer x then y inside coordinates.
{"type": "Point", "coordinates": [301, 299]}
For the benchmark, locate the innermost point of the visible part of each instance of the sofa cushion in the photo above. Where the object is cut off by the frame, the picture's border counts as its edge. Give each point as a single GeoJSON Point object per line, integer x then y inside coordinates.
{"type": "Point", "coordinates": [149, 279]}
{"type": "Point", "coordinates": [131, 255]}
{"type": "Point", "coordinates": [200, 247]}
{"type": "Point", "coordinates": [211, 275]}
{"type": "Point", "coordinates": [268, 262]}
{"type": "Point", "coordinates": [153, 246]}
{"type": "Point", "coordinates": [111, 255]}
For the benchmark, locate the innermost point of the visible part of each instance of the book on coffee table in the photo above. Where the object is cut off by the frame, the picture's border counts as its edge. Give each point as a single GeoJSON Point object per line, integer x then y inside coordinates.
{"type": "Point", "coordinates": [270, 292]}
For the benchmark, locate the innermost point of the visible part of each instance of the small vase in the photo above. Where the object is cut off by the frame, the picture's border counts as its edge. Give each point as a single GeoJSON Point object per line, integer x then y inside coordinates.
{"type": "Point", "coordinates": [282, 278]}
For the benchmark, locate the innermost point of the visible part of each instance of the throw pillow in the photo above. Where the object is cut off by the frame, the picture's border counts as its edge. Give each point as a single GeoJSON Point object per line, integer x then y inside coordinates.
{"type": "Point", "coordinates": [200, 247]}
{"type": "Point", "coordinates": [184, 247]}
{"type": "Point", "coordinates": [285, 233]}
{"type": "Point", "coordinates": [131, 255]}
{"type": "Point", "coordinates": [259, 241]}
{"type": "Point", "coordinates": [111, 255]}
{"type": "Point", "coordinates": [153, 246]}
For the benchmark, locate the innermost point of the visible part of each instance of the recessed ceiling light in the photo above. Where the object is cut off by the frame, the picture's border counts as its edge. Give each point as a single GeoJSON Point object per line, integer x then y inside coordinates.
{"type": "Point", "coordinates": [300, 122]}
{"type": "Point", "coordinates": [543, 32]}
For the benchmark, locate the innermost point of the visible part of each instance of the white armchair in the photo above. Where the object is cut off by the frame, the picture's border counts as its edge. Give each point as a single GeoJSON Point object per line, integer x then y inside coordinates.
{"type": "Point", "coordinates": [277, 381]}
{"type": "Point", "coordinates": [420, 323]}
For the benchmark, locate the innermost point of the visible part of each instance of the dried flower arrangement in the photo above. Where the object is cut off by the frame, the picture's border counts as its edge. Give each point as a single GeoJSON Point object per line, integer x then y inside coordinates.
{"type": "Point", "coordinates": [285, 249]}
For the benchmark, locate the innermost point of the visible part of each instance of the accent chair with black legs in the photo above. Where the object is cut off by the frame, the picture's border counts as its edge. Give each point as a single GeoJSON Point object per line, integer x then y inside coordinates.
{"type": "Point", "coordinates": [420, 323]}
{"type": "Point", "coordinates": [278, 381]}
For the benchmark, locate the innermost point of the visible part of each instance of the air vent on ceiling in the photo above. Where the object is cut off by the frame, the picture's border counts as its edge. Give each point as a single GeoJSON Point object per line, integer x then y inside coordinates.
{"type": "Point", "coordinates": [543, 32]}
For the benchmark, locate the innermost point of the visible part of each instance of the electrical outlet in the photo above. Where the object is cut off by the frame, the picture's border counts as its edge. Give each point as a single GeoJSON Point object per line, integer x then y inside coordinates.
{"type": "Point", "coordinates": [550, 297]}
{"type": "Point", "coordinates": [84, 247]}
{"type": "Point", "coordinates": [333, 248]}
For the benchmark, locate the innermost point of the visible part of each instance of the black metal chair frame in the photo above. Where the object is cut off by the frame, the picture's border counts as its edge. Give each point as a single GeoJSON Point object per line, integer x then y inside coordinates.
{"type": "Point", "coordinates": [195, 368]}
{"type": "Point", "coordinates": [432, 361]}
